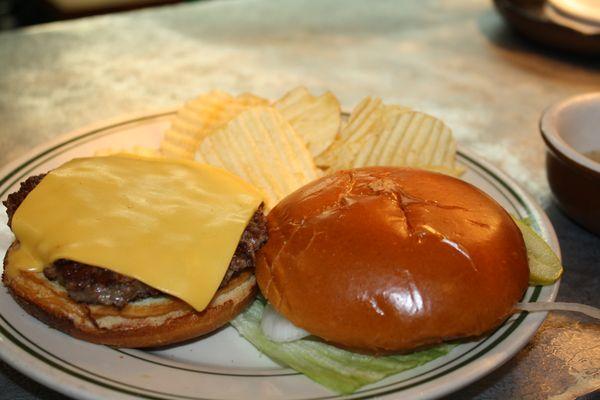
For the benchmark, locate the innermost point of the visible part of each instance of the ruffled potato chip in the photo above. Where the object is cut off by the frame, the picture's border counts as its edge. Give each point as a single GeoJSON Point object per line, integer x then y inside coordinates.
{"type": "Point", "coordinates": [315, 119]}
{"type": "Point", "coordinates": [260, 146]}
{"type": "Point", "coordinates": [379, 134]}
{"type": "Point", "coordinates": [365, 120]}
{"type": "Point", "coordinates": [198, 118]}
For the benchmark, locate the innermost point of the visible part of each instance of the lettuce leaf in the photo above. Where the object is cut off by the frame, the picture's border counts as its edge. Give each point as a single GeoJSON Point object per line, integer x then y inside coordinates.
{"type": "Point", "coordinates": [339, 370]}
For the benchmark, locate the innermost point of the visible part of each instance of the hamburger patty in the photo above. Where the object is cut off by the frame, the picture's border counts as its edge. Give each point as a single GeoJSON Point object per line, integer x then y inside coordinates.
{"type": "Point", "coordinates": [95, 285]}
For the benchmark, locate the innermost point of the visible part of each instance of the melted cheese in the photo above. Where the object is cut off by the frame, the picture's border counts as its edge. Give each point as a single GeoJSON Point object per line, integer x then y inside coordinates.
{"type": "Point", "coordinates": [171, 224]}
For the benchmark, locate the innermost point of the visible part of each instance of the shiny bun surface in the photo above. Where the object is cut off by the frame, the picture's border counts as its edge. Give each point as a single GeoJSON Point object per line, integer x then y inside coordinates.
{"type": "Point", "coordinates": [385, 259]}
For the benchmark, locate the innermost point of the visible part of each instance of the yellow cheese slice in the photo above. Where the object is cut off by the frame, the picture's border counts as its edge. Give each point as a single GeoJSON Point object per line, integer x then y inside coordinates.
{"type": "Point", "coordinates": [172, 224]}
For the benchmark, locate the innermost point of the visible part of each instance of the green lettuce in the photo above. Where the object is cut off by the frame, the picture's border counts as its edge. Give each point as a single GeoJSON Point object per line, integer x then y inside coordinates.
{"type": "Point", "coordinates": [337, 369]}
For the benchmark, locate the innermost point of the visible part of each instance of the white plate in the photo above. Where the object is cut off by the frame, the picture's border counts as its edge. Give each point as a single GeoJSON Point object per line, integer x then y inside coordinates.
{"type": "Point", "coordinates": [223, 365]}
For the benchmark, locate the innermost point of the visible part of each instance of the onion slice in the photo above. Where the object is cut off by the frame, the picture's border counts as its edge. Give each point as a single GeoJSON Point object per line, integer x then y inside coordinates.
{"type": "Point", "coordinates": [551, 306]}
{"type": "Point", "coordinates": [278, 329]}
{"type": "Point", "coordinates": [6, 235]}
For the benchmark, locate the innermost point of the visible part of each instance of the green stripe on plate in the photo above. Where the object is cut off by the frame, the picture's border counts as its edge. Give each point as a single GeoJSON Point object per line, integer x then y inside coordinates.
{"type": "Point", "coordinates": [61, 368]}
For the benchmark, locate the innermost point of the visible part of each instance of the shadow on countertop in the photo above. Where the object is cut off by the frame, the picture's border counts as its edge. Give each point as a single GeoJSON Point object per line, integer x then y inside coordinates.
{"type": "Point", "coordinates": [11, 380]}
{"type": "Point", "coordinates": [581, 259]}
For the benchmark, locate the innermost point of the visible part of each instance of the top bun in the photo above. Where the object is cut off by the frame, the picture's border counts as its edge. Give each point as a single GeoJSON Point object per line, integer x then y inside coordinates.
{"type": "Point", "coordinates": [384, 259]}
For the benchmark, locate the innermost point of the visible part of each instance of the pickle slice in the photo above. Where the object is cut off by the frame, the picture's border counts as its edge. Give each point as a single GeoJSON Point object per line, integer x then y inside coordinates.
{"type": "Point", "coordinates": [545, 267]}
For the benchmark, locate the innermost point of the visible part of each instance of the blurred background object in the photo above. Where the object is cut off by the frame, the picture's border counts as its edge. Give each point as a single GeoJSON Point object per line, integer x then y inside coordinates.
{"type": "Point", "coordinates": [17, 13]}
{"type": "Point", "coordinates": [581, 15]}
{"type": "Point", "coordinates": [7, 21]}
{"type": "Point", "coordinates": [545, 23]}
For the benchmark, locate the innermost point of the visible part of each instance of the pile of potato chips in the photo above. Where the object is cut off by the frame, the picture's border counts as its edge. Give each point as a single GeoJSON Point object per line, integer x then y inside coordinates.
{"type": "Point", "coordinates": [282, 145]}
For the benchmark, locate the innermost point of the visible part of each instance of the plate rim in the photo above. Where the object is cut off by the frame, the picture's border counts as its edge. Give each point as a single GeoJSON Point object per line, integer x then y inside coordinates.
{"type": "Point", "coordinates": [51, 376]}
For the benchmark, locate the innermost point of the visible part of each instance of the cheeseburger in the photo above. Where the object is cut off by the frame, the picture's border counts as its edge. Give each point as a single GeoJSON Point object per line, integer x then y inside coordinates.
{"type": "Point", "coordinates": [385, 260]}
{"type": "Point", "coordinates": [134, 252]}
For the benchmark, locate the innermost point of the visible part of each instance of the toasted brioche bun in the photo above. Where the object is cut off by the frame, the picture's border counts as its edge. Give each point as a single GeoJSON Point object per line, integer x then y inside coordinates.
{"type": "Point", "coordinates": [146, 323]}
{"type": "Point", "coordinates": [384, 259]}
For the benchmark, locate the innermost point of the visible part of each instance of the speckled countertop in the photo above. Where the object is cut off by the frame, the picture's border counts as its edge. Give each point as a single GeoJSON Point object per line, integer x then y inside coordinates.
{"type": "Point", "coordinates": [454, 59]}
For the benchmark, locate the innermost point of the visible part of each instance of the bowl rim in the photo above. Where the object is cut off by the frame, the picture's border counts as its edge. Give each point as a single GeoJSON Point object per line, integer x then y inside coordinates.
{"type": "Point", "coordinates": [567, 9]}
{"type": "Point", "coordinates": [553, 139]}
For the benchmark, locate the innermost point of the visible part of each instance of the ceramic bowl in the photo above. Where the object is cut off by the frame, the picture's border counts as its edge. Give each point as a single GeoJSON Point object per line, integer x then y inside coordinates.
{"type": "Point", "coordinates": [529, 18]}
{"type": "Point", "coordinates": [571, 129]}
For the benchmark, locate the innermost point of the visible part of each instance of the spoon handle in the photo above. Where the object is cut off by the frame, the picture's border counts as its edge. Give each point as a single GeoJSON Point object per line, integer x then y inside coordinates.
{"type": "Point", "coordinates": [552, 306]}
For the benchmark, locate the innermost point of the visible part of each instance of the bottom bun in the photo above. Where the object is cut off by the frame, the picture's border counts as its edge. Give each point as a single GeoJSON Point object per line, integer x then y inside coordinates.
{"type": "Point", "coordinates": [146, 323]}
